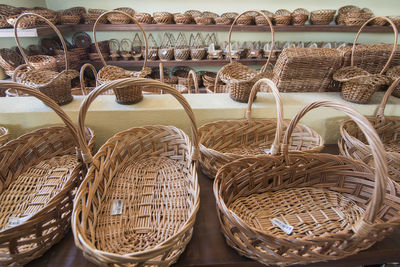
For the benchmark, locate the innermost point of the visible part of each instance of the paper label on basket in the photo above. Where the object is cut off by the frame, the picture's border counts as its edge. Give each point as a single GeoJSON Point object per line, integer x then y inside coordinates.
{"type": "Point", "coordinates": [253, 52]}
{"type": "Point", "coordinates": [117, 207]}
{"type": "Point", "coordinates": [154, 54]}
{"type": "Point", "coordinates": [267, 151]}
{"type": "Point", "coordinates": [284, 227]}
{"type": "Point", "coordinates": [14, 221]}
{"type": "Point", "coordinates": [164, 52]}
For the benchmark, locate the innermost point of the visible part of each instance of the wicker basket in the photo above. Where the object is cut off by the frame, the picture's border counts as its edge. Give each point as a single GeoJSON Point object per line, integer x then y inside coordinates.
{"type": "Point", "coordinates": [222, 142]}
{"type": "Point", "coordinates": [163, 17]}
{"type": "Point", "coordinates": [359, 87]}
{"type": "Point", "coordinates": [34, 218]}
{"type": "Point", "coordinates": [353, 143]}
{"type": "Point", "coordinates": [291, 208]}
{"type": "Point", "coordinates": [183, 18]}
{"type": "Point", "coordinates": [182, 50]}
{"type": "Point", "coordinates": [25, 23]}
{"type": "Point", "coordinates": [126, 49]}
{"type": "Point", "coordinates": [91, 18]}
{"type": "Point", "coordinates": [343, 11]}
{"type": "Point", "coordinates": [143, 18]}
{"type": "Point", "coordinates": [158, 161]}
{"type": "Point", "coordinates": [9, 60]}
{"type": "Point", "coordinates": [194, 13]}
{"type": "Point", "coordinates": [166, 49]}
{"type": "Point", "coordinates": [223, 21]}
{"type": "Point", "coordinates": [83, 89]}
{"type": "Point", "coordinates": [124, 95]}
{"type": "Point", "coordinates": [70, 19]}
{"type": "Point", "coordinates": [204, 20]}
{"type": "Point", "coordinates": [299, 16]}
{"type": "Point", "coordinates": [394, 73]}
{"type": "Point", "coordinates": [238, 77]}
{"type": "Point", "coordinates": [322, 17]}
{"type": "Point", "coordinates": [56, 85]}
{"type": "Point", "coordinates": [46, 13]}
{"type": "Point", "coordinates": [282, 17]}
{"type": "Point", "coordinates": [356, 18]}
{"type": "Point", "coordinates": [116, 18]}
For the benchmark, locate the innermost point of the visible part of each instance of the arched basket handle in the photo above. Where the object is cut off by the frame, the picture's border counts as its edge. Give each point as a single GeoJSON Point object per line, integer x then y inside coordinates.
{"type": "Point", "coordinates": [82, 76]}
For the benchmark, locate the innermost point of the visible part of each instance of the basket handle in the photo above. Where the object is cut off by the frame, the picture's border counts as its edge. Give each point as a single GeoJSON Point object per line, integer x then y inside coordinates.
{"type": "Point", "coordinates": [264, 68]}
{"type": "Point", "coordinates": [193, 75]}
{"type": "Point", "coordinates": [142, 83]}
{"type": "Point", "coordinates": [396, 35]}
{"type": "Point", "coordinates": [134, 20]}
{"type": "Point", "coordinates": [275, 147]}
{"type": "Point", "coordinates": [82, 78]}
{"type": "Point", "coordinates": [381, 110]}
{"type": "Point", "coordinates": [51, 104]}
{"type": "Point", "coordinates": [363, 226]}
{"type": "Point", "coordinates": [66, 57]}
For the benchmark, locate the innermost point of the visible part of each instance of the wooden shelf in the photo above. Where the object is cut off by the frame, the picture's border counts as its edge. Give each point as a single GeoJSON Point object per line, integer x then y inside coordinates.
{"type": "Point", "coordinates": [41, 31]}
{"type": "Point", "coordinates": [171, 63]}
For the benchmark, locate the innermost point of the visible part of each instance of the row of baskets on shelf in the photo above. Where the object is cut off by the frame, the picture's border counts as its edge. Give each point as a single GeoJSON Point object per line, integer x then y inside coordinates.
{"type": "Point", "coordinates": [138, 196]}
{"type": "Point", "coordinates": [346, 15]}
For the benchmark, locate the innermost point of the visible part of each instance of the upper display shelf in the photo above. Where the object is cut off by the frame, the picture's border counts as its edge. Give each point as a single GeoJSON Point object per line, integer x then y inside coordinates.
{"type": "Point", "coordinates": [41, 31]}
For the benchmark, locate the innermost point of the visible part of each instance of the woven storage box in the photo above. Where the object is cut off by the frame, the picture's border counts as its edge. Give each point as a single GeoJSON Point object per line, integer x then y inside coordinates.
{"type": "Point", "coordinates": [300, 208]}
{"type": "Point", "coordinates": [306, 69]}
{"type": "Point", "coordinates": [353, 142]}
{"type": "Point", "coordinates": [124, 95]}
{"type": "Point", "coordinates": [151, 172]}
{"type": "Point", "coordinates": [56, 85]}
{"type": "Point", "coordinates": [222, 142]}
{"type": "Point", "coordinates": [238, 77]}
{"type": "Point", "coordinates": [34, 218]}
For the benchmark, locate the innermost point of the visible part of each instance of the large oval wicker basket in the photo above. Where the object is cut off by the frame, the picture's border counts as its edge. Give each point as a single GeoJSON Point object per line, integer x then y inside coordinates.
{"type": "Point", "coordinates": [238, 77]}
{"type": "Point", "coordinates": [138, 202]}
{"type": "Point", "coordinates": [40, 172]}
{"type": "Point", "coordinates": [222, 142]}
{"type": "Point", "coordinates": [56, 85]}
{"type": "Point", "coordinates": [109, 73]}
{"type": "Point", "coordinates": [299, 208]}
{"type": "Point", "coordinates": [353, 142]}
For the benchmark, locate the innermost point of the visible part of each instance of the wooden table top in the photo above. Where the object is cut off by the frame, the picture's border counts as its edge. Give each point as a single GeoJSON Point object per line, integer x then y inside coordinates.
{"type": "Point", "coordinates": [208, 246]}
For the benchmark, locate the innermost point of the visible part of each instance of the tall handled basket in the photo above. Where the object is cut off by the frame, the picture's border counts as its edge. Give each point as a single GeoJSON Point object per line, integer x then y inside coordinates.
{"type": "Point", "coordinates": [299, 208]}
{"type": "Point", "coordinates": [238, 77]}
{"type": "Point", "coordinates": [109, 73]}
{"type": "Point", "coordinates": [40, 172]}
{"type": "Point", "coordinates": [56, 85]}
{"type": "Point", "coordinates": [353, 142]}
{"type": "Point", "coordinates": [222, 142]}
{"type": "Point", "coordinates": [138, 202]}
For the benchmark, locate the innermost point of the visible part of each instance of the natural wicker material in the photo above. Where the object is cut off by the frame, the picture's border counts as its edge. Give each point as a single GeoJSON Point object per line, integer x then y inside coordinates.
{"type": "Point", "coordinates": [182, 50]}
{"type": "Point", "coordinates": [126, 48]}
{"type": "Point", "coordinates": [244, 20]}
{"type": "Point", "coordinates": [151, 170]}
{"type": "Point", "coordinates": [238, 77]}
{"type": "Point", "coordinates": [299, 16]}
{"type": "Point", "coordinates": [41, 171]}
{"type": "Point", "coordinates": [394, 73]}
{"type": "Point", "coordinates": [4, 135]}
{"type": "Point", "coordinates": [91, 18]}
{"type": "Point", "coordinates": [306, 69]}
{"type": "Point", "coordinates": [356, 18]}
{"type": "Point", "coordinates": [70, 19]}
{"type": "Point", "coordinates": [42, 62]}
{"type": "Point", "coordinates": [3, 22]}
{"type": "Point", "coordinates": [46, 13]}
{"type": "Point", "coordinates": [322, 17]}
{"type": "Point", "coordinates": [128, 10]}
{"type": "Point", "coordinates": [336, 206]}
{"type": "Point", "coordinates": [359, 87]}
{"type": "Point", "coordinates": [204, 20]}
{"type": "Point", "coordinates": [193, 13]}
{"type": "Point", "coordinates": [183, 18]}
{"type": "Point", "coordinates": [81, 39]}
{"type": "Point", "coordinates": [223, 20]}
{"type": "Point", "coordinates": [222, 142]}
{"type": "Point", "coordinates": [25, 23]}
{"type": "Point", "coordinates": [378, 22]}
{"type": "Point", "coordinates": [353, 142]}
{"type": "Point", "coordinates": [56, 85]}
{"type": "Point", "coordinates": [124, 95]}
{"type": "Point", "coordinates": [166, 49]}
{"type": "Point", "coordinates": [282, 17]}
{"type": "Point", "coordinates": [9, 59]}
{"type": "Point", "coordinates": [116, 18]}
{"type": "Point", "coordinates": [143, 18]}
{"type": "Point", "coordinates": [163, 17]}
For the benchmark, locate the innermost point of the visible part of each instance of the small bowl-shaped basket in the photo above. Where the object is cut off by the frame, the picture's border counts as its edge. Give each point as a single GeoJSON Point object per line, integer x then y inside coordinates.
{"type": "Point", "coordinates": [91, 18]}
{"type": "Point", "coordinates": [183, 18]}
{"type": "Point", "coordinates": [166, 53]}
{"type": "Point", "coordinates": [143, 18]}
{"type": "Point", "coordinates": [322, 17]}
{"type": "Point", "coordinates": [194, 13]}
{"type": "Point", "coordinates": [357, 18]}
{"type": "Point", "coordinates": [197, 53]}
{"type": "Point", "coordinates": [25, 23]}
{"type": "Point", "coordinates": [231, 15]}
{"type": "Point", "coordinates": [245, 20]}
{"type": "Point", "coordinates": [301, 208]}
{"type": "Point", "coordinates": [204, 20]}
{"type": "Point", "coordinates": [300, 16]}
{"type": "Point", "coordinates": [163, 17]}
{"type": "Point", "coordinates": [181, 54]}
{"type": "Point", "coordinates": [223, 21]}
{"type": "Point", "coordinates": [70, 19]}
{"type": "Point", "coordinates": [116, 18]}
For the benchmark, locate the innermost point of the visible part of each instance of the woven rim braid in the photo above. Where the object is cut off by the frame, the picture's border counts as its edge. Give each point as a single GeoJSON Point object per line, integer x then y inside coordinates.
{"type": "Point", "coordinates": [240, 78]}
{"type": "Point", "coordinates": [123, 95]}
{"type": "Point", "coordinates": [353, 144]}
{"type": "Point", "coordinates": [4, 135]}
{"type": "Point", "coordinates": [48, 214]}
{"type": "Point", "coordinates": [57, 85]}
{"type": "Point", "coordinates": [141, 146]}
{"type": "Point", "coordinates": [337, 206]}
{"type": "Point", "coordinates": [222, 142]}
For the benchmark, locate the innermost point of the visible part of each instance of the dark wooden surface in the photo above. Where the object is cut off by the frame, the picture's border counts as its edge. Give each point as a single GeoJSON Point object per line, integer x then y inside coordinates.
{"type": "Point", "coordinates": [208, 247]}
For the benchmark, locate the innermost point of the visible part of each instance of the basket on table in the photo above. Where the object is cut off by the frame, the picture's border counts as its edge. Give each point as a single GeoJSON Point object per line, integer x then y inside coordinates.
{"type": "Point", "coordinates": [359, 85]}
{"type": "Point", "coordinates": [124, 95]}
{"type": "Point", "coordinates": [343, 11]}
{"type": "Point", "coordinates": [238, 77]}
{"type": "Point", "coordinates": [180, 87]}
{"type": "Point", "coordinates": [322, 17]}
{"type": "Point", "coordinates": [163, 17]}
{"type": "Point", "coordinates": [209, 83]}
{"type": "Point", "coordinates": [41, 171]}
{"type": "Point", "coordinates": [184, 77]}
{"type": "Point", "coordinates": [9, 60]}
{"type": "Point", "coordinates": [393, 73]}
{"type": "Point", "coordinates": [222, 142]}
{"type": "Point", "coordinates": [181, 50]}
{"type": "Point", "coordinates": [353, 142]}
{"type": "Point", "coordinates": [143, 18]}
{"type": "Point", "coordinates": [282, 17]}
{"type": "Point", "coordinates": [56, 85]}
{"type": "Point", "coordinates": [300, 208]}
{"type": "Point", "coordinates": [115, 49]}
{"type": "Point", "coordinates": [166, 49]}
{"type": "Point", "coordinates": [299, 16]}
{"type": "Point", "coordinates": [150, 175]}
{"type": "Point", "coordinates": [180, 18]}
{"type": "Point", "coordinates": [197, 49]}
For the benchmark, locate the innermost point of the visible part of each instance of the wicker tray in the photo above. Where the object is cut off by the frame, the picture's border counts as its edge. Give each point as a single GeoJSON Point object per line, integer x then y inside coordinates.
{"type": "Point", "coordinates": [222, 142]}
{"type": "Point", "coordinates": [159, 162]}
{"type": "Point", "coordinates": [34, 218]}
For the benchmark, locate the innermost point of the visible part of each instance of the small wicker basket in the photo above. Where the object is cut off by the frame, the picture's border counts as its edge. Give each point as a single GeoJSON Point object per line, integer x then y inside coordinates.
{"type": "Point", "coordinates": [163, 17]}
{"type": "Point", "coordinates": [183, 18]}
{"type": "Point", "coordinates": [322, 17]}
{"type": "Point", "coordinates": [181, 50]}
{"type": "Point", "coordinates": [70, 19]}
{"type": "Point", "coordinates": [282, 17]}
{"type": "Point", "coordinates": [299, 16]}
{"type": "Point", "coordinates": [166, 49]}
{"type": "Point", "coordinates": [143, 18]}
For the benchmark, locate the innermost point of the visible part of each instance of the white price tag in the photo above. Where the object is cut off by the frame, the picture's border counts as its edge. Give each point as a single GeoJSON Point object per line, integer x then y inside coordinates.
{"type": "Point", "coordinates": [253, 52]}
{"type": "Point", "coordinates": [284, 227]}
{"type": "Point", "coordinates": [154, 54]}
{"type": "Point", "coordinates": [117, 207]}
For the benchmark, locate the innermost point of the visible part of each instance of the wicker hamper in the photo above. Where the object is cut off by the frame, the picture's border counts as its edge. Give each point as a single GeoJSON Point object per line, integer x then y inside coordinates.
{"type": "Point", "coordinates": [300, 208]}
{"type": "Point", "coordinates": [109, 73]}
{"type": "Point", "coordinates": [141, 189]}
{"type": "Point", "coordinates": [40, 172]}
{"type": "Point", "coordinates": [222, 142]}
